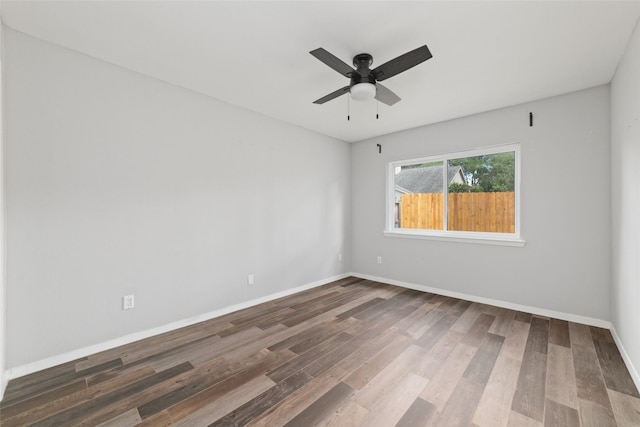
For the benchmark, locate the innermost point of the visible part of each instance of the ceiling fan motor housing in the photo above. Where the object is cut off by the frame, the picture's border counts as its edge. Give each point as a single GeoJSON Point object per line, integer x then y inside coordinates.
{"type": "Point", "coordinates": [362, 62]}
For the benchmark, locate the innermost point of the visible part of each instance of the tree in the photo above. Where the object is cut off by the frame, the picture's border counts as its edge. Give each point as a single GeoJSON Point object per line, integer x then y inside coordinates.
{"type": "Point", "coordinates": [488, 173]}
{"type": "Point", "coordinates": [457, 187]}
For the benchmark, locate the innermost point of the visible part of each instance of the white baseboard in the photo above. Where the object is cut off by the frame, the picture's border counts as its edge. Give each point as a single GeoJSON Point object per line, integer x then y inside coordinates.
{"type": "Point", "coordinates": [49, 362]}
{"type": "Point", "coordinates": [625, 356]}
{"type": "Point", "coordinates": [3, 385]}
{"type": "Point", "coordinates": [498, 303]}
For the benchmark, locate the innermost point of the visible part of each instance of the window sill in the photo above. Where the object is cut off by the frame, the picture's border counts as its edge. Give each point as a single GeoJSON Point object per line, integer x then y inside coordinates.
{"type": "Point", "coordinates": [480, 238]}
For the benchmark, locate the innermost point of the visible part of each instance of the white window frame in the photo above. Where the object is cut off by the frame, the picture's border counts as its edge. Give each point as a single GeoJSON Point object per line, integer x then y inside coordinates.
{"type": "Point", "coordinates": [508, 239]}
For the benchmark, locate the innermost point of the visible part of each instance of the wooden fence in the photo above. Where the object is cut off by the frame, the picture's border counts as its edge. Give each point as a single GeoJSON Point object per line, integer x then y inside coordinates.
{"type": "Point", "coordinates": [489, 212]}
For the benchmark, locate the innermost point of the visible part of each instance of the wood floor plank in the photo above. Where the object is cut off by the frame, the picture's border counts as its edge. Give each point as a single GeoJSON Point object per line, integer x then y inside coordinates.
{"type": "Point", "coordinates": [369, 395]}
{"type": "Point", "coordinates": [561, 383]}
{"type": "Point", "coordinates": [214, 407]}
{"type": "Point", "coordinates": [20, 388]}
{"type": "Point", "coordinates": [516, 340]}
{"type": "Point", "coordinates": [483, 362]}
{"type": "Point", "coordinates": [442, 384]}
{"type": "Point", "coordinates": [390, 318]}
{"type": "Point", "coordinates": [391, 406]}
{"type": "Point", "coordinates": [386, 306]}
{"type": "Point", "coordinates": [203, 354]}
{"type": "Point", "coordinates": [516, 419]}
{"type": "Point", "coordinates": [161, 419]}
{"type": "Point", "coordinates": [262, 403]}
{"type": "Point", "coordinates": [594, 415]}
{"type": "Point", "coordinates": [590, 383]}
{"type": "Point", "coordinates": [263, 319]}
{"type": "Point", "coordinates": [299, 400]}
{"type": "Point", "coordinates": [478, 330]}
{"type": "Point", "coordinates": [438, 354]}
{"type": "Point", "coordinates": [626, 409]}
{"type": "Point", "coordinates": [502, 324]}
{"type": "Point", "coordinates": [559, 415]}
{"type": "Point", "coordinates": [153, 346]}
{"type": "Point", "coordinates": [581, 335]}
{"type": "Point", "coordinates": [424, 323]}
{"type": "Point", "coordinates": [325, 362]}
{"type": "Point", "coordinates": [334, 328]}
{"type": "Point", "coordinates": [361, 376]}
{"type": "Point", "coordinates": [614, 370]}
{"type": "Point", "coordinates": [361, 307]}
{"type": "Point", "coordinates": [495, 403]}
{"type": "Point", "coordinates": [351, 352]}
{"type": "Point", "coordinates": [208, 376]}
{"type": "Point", "coordinates": [235, 375]}
{"type": "Point", "coordinates": [305, 359]}
{"type": "Point", "coordinates": [56, 382]}
{"type": "Point", "coordinates": [142, 351]}
{"type": "Point", "coordinates": [323, 407]}
{"type": "Point", "coordinates": [359, 357]}
{"type": "Point", "coordinates": [460, 407]}
{"type": "Point", "coordinates": [415, 318]}
{"type": "Point", "coordinates": [468, 318]}
{"type": "Point", "coordinates": [35, 413]}
{"type": "Point", "coordinates": [126, 419]}
{"type": "Point", "coordinates": [538, 339]}
{"type": "Point", "coordinates": [268, 337]}
{"type": "Point", "coordinates": [436, 332]}
{"type": "Point", "coordinates": [41, 400]}
{"type": "Point", "coordinates": [559, 333]}
{"type": "Point", "coordinates": [302, 332]}
{"type": "Point", "coordinates": [196, 353]}
{"type": "Point", "coordinates": [523, 317]}
{"type": "Point", "coordinates": [459, 307]}
{"type": "Point", "coordinates": [420, 413]}
{"type": "Point", "coordinates": [81, 411]}
{"type": "Point", "coordinates": [529, 397]}
{"type": "Point", "coordinates": [349, 414]}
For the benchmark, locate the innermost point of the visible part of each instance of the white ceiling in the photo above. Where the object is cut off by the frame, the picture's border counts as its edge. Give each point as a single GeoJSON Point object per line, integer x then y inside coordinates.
{"type": "Point", "coordinates": [486, 54]}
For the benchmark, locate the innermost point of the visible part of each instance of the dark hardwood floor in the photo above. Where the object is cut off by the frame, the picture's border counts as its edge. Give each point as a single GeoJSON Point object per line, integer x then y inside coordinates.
{"type": "Point", "coordinates": [349, 353]}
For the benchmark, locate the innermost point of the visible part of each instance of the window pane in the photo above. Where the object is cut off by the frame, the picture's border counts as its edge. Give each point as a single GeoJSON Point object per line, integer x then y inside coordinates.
{"type": "Point", "coordinates": [481, 193]}
{"type": "Point", "coordinates": [419, 201]}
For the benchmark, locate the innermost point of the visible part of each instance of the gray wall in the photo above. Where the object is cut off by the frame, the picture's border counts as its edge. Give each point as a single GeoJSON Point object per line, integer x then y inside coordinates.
{"type": "Point", "coordinates": [625, 190]}
{"type": "Point", "coordinates": [565, 263]}
{"type": "Point", "coordinates": [121, 184]}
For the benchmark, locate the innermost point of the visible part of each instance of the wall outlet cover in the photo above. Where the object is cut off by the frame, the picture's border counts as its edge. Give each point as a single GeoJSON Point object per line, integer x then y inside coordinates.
{"type": "Point", "coordinates": [128, 302]}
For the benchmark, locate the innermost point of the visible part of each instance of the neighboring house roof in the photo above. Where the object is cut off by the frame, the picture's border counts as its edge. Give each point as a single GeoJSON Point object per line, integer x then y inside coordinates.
{"type": "Point", "coordinates": [426, 179]}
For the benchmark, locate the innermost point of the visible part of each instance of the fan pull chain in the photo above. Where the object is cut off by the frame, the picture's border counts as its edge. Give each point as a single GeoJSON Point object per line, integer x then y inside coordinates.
{"type": "Point", "coordinates": [348, 108]}
{"type": "Point", "coordinates": [377, 105]}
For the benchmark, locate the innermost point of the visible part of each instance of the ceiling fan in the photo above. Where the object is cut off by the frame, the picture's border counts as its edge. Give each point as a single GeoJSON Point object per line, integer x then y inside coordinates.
{"type": "Point", "coordinates": [364, 81]}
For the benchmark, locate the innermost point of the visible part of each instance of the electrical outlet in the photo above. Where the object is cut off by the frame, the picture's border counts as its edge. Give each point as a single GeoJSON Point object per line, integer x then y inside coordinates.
{"type": "Point", "coordinates": [379, 260]}
{"type": "Point", "coordinates": [128, 302]}
{"type": "Point", "coordinates": [250, 279]}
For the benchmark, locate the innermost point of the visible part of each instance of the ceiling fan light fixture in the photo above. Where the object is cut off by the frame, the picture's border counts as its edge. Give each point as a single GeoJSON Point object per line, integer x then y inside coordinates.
{"type": "Point", "coordinates": [363, 91]}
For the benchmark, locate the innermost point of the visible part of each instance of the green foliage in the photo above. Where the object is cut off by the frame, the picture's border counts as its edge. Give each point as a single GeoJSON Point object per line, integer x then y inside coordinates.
{"type": "Point", "coordinates": [488, 173]}
{"type": "Point", "coordinates": [457, 187]}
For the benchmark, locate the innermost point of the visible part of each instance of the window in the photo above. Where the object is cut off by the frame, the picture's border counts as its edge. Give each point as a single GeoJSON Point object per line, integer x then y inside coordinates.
{"type": "Point", "coordinates": [471, 195]}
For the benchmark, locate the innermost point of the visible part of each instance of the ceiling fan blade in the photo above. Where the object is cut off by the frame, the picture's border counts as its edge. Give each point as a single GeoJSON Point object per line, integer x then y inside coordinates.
{"type": "Point", "coordinates": [334, 62]}
{"type": "Point", "coordinates": [401, 63]}
{"type": "Point", "coordinates": [385, 95]}
{"type": "Point", "coordinates": [332, 95]}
